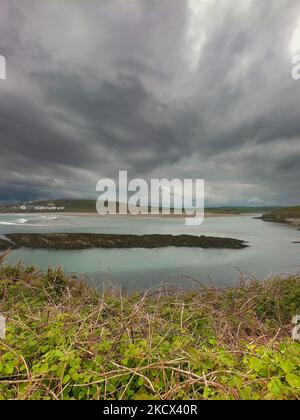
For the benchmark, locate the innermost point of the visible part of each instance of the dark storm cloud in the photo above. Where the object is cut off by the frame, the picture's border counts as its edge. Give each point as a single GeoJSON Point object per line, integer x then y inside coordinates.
{"type": "Point", "coordinates": [121, 115]}
{"type": "Point", "coordinates": [176, 88]}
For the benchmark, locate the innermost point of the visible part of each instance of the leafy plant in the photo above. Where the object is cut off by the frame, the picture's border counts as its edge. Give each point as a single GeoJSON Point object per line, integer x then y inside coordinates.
{"type": "Point", "coordinates": [65, 341]}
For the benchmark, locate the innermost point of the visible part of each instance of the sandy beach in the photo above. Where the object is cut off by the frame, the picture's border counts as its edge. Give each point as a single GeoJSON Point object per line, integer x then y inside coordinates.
{"type": "Point", "coordinates": [95, 214]}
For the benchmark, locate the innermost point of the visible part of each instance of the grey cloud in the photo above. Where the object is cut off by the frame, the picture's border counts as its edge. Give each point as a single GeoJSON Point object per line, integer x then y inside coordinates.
{"type": "Point", "coordinates": [170, 88]}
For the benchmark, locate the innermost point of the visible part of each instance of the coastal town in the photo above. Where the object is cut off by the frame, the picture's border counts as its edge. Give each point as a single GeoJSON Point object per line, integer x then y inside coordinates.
{"type": "Point", "coordinates": [30, 207]}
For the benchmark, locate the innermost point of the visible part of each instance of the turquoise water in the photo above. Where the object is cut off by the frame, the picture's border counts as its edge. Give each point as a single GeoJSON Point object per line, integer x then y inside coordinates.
{"type": "Point", "coordinates": [271, 250]}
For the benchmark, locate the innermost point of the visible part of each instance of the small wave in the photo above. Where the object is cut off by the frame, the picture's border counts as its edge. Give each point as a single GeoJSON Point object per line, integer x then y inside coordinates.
{"type": "Point", "coordinates": [40, 221]}
{"type": "Point", "coordinates": [15, 223]}
{"type": "Point", "coordinates": [52, 220]}
{"type": "Point", "coordinates": [9, 223]}
{"type": "Point", "coordinates": [21, 224]}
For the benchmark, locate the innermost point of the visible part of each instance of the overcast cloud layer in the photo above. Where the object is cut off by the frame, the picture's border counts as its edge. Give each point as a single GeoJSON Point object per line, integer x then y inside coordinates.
{"type": "Point", "coordinates": [167, 88]}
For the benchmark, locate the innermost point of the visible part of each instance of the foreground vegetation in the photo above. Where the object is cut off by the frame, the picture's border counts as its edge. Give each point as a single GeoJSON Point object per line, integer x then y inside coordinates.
{"type": "Point", "coordinates": [67, 341]}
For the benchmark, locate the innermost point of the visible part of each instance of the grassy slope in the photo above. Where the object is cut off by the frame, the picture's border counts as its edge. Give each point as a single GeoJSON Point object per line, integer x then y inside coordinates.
{"type": "Point", "coordinates": [65, 341]}
{"type": "Point", "coordinates": [283, 214]}
{"type": "Point", "coordinates": [238, 210]}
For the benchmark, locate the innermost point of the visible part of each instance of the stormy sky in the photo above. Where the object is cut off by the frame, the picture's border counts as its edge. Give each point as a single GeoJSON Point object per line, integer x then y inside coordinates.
{"type": "Point", "coordinates": [161, 88]}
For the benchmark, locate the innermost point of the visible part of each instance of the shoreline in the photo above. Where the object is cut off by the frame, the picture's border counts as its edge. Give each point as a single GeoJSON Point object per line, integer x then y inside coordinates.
{"type": "Point", "coordinates": [164, 216]}
{"type": "Point", "coordinates": [291, 221]}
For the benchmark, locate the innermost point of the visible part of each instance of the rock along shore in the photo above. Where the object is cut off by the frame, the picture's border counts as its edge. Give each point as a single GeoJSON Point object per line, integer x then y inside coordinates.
{"type": "Point", "coordinates": [73, 241]}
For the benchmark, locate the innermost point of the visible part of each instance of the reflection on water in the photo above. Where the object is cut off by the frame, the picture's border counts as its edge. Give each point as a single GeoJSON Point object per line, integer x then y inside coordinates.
{"type": "Point", "coordinates": [271, 250]}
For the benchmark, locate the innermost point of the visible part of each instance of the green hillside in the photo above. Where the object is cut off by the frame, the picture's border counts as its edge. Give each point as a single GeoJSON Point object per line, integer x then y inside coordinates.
{"type": "Point", "coordinates": [89, 206]}
{"type": "Point", "coordinates": [282, 215]}
{"type": "Point", "coordinates": [84, 206]}
{"type": "Point", "coordinates": [239, 210]}
{"type": "Point", "coordinates": [73, 205]}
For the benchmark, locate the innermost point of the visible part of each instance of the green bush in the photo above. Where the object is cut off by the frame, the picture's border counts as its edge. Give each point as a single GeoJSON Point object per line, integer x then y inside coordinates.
{"type": "Point", "coordinates": [66, 341]}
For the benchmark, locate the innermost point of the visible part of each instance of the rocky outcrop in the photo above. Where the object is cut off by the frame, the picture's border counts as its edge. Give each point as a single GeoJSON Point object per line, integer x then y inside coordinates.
{"type": "Point", "coordinates": [69, 241]}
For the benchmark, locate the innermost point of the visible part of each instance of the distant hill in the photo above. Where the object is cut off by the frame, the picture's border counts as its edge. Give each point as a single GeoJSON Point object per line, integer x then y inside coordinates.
{"type": "Point", "coordinates": [80, 206]}
{"type": "Point", "coordinates": [239, 210]}
{"type": "Point", "coordinates": [282, 215]}
{"type": "Point", "coordinates": [89, 206]}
